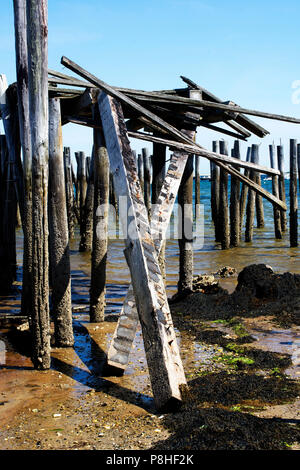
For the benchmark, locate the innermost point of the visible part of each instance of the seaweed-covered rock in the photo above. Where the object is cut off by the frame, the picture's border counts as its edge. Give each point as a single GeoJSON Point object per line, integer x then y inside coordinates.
{"type": "Point", "coordinates": [226, 271]}
{"type": "Point", "coordinates": [257, 280]}
{"type": "Point", "coordinates": [206, 284]}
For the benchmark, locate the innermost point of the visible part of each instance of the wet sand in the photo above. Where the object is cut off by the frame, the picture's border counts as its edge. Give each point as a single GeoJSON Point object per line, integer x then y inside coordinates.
{"type": "Point", "coordinates": [232, 402]}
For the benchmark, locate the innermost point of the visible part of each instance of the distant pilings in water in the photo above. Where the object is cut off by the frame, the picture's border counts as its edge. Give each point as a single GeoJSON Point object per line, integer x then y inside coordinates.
{"type": "Point", "coordinates": [245, 202]}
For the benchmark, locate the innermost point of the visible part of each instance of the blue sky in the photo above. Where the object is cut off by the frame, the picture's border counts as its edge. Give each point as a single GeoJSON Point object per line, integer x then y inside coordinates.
{"type": "Point", "coordinates": [244, 51]}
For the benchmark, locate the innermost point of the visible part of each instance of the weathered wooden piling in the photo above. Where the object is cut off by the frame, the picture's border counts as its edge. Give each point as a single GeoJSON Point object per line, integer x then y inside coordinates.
{"type": "Point", "coordinates": [158, 176]}
{"type": "Point", "coordinates": [244, 191]}
{"type": "Point", "coordinates": [82, 187]}
{"type": "Point", "coordinates": [8, 210]}
{"type": "Point", "coordinates": [223, 218]}
{"type": "Point", "coordinates": [235, 228]}
{"type": "Point", "coordinates": [100, 226]}
{"type": "Point", "coordinates": [20, 22]}
{"type": "Point", "coordinates": [298, 163]}
{"type": "Point", "coordinates": [86, 239]}
{"type": "Point", "coordinates": [197, 185]}
{"type": "Point", "coordinates": [140, 165]}
{"type": "Point", "coordinates": [59, 233]}
{"type": "Point", "coordinates": [260, 219]}
{"type": "Point", "coordinates": [215, 191]}
{"type": "Point", "coordinates": [185, 242]}
{"type": "Point", "coordinates": [147, 180]}
{"type": "Point", "coordinates": [250, 212]}
{"type": "Point", "coordinates": [275, 191]}
{"type": "Point", "coordinates": [281, 182]}
{"type": "Point", "coordinates": [293, 194]}
{"type": "Point", "coordinates": [69, 191]}
{"type": "Point", "coordinates": [37, 40]}
{"type": "Point", "coordinates": [77, 185]}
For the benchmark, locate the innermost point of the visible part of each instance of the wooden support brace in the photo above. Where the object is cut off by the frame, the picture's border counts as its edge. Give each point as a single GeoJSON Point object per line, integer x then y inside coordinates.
{"type": "Point", "coordinates": [162, 353]}
{"type": "Point", "coordinates": [126, 328]}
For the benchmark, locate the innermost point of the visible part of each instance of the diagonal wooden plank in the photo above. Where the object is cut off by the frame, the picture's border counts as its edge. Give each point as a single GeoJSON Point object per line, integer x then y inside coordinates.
{"type": "Point", "coordinates": [172, 130]}
{"type": "Point", "coordinates": [120, 347]}
{"type": "Point", "coordinates": [243, 120]}
{"type": "Point", "coordinates": [195, 150]}
{"type": "Point", "coordinates": [162, 353]}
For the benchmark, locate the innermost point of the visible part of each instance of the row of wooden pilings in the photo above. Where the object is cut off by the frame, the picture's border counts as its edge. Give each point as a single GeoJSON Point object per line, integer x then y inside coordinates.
{"type": "Point", "coordinates": [228, 213]}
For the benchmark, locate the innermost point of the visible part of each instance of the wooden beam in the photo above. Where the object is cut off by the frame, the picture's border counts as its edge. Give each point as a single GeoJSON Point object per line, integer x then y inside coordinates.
{"type": "Point", "coordinates": [120, 347]}
{"type": "Point", "coordinates": [152, 97]}
{"type": "Point", "coordinates": [167, 127]}
{"type": "Point", "coordinates": [162, 353]}
{"type": "Point", "coordinates": [243, 120]}
{"type": "Point", "coordinates": [197, 151]}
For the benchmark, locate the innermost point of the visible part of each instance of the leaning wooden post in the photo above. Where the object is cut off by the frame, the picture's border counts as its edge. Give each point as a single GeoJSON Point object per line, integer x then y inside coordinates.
{"type": "Point", "coordinates": [293, 194]}
{"type": "Point", "coordinates": [260, 220]}
{"type": "Point", "coordinates": [235, 229]}
{"type": "Point", "coordinates": [223, 208]}
{"type": "Point", "coordinates": [275, 191]}
{"type": "Point", "coordinates": [280, 162]}
{"type": "Point", "coordinates": [215, 191]}
{"type": "Point", "coordinates": [147, 180]}
{"type": "Point", "coordinates": [38, 106]}
{"type": "Point", "coordinates": [100, 227]}
{"type": "Point", "coordinates": [59, 233]}
{"type": "Point", "coordinates": [162, 353]}
{"type": "Point", "coordinates": [251, 199]}
{"type": "Point", "coordinates": [159, 172]}
{"type": "Point", "coordinates": [20, 22]}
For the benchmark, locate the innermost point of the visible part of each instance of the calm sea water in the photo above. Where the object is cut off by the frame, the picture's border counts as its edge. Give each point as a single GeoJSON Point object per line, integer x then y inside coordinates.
{"type": "Point", "coordinates": [208, 259]}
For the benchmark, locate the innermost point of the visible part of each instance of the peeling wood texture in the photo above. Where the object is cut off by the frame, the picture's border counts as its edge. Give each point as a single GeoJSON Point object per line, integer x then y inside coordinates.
{"type": "Point", "coordinates": [152, 305]}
